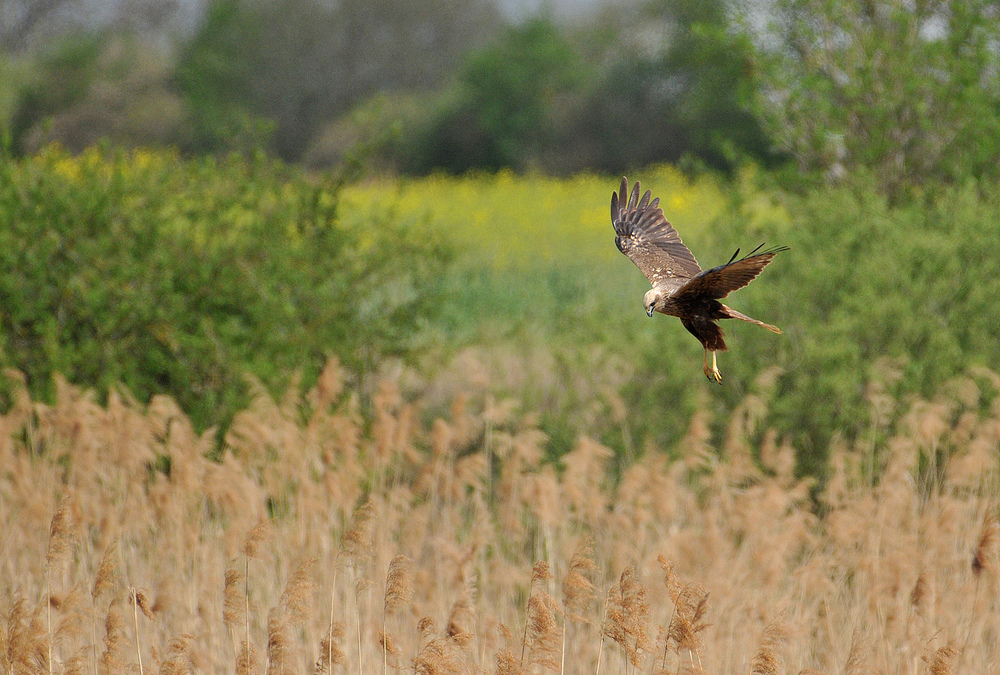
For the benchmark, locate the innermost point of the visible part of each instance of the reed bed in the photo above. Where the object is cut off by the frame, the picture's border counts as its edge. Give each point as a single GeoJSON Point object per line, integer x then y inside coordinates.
{"type": "Point", "coordinates": [396, 528]}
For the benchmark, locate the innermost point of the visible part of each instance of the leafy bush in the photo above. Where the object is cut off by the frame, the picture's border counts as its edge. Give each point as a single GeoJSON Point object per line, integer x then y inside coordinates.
{"type": "Point", "coordinates": [873, 295]}
{"type": "Point", "coordinates": [182, 277]}
{"type": "Point", "coordinates": [908, 90]}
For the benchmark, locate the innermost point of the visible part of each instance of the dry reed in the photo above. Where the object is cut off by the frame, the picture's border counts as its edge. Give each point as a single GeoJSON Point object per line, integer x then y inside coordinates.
{"type": "Point", "coordinates": [889, 550]}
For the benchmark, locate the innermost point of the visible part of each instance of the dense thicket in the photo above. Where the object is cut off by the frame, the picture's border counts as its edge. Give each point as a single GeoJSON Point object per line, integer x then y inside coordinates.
{"type": "Point", "coordinates": [182, 277]}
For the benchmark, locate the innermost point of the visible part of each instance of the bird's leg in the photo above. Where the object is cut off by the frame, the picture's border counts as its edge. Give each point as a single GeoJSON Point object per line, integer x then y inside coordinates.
{"type": "Point", "coordinates": [713, 372]}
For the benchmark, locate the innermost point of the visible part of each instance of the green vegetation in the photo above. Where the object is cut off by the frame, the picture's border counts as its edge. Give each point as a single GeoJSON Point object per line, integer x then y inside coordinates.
{"type": "Point", "coordinates": [909, 93]}
{"type": "Point", "coordinates": [182, 277]}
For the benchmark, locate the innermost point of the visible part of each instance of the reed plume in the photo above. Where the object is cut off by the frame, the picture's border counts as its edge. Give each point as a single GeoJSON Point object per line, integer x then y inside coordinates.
{"type": "Point", "coordinates": [357, 548]}
{"type": "Point", "coordinates": [331, 654]}
{"type": "Point", "coordinates": [24, 639]}
{"type": "Point", "coordinates": [543, 632]}
{"type": "Point", "coordinates": [539, 575]}
{"type": "Point", "coordinates": [939, 662]}
{"type": "Point", "coordinates": [507, 662]}
{"type": "Point", "coordinates": [767, 658]}
{"type": "Point", "coordinates": [398, 590]}
{"type": "Point", "coordinates": [858, 659]}
{"type": "Point", "coordinates": [256, 537]}
{"type": "Point", "coordinates": [278, 641]}
{"type": "Point", "coordinates": [178, 657]}
{"type": "Point", "coordinates": [139, 602]}
{"type": "Point", "coordinates": [295, 598]}
{"type": "Point", "coordinates": [983, 562]}
{"type": "Point", "coordinates": [113, 658]}
{"type": "Point", "coordinates": [578, 590]}
{"type": "Point", "coordinates": [461, 622]}
{"type": "Point", "coordinates": [246, 660]}
{"type": "Point", "coordinates": [104, 582]}
{"type": "Point", "coordinates": [984, 557]}
{"type": "Point", "coordinates": [687, 618]}
{"type": "Point", "coordinates": [233, 607]}
{"type": "Point", "coordinates": [356, 543]}
{"type": "Point", "coordinates": [60, 543]}
{"type": "Point", "coordinates": [440, 656]}
{"type": "Point", "coordinates": [76, 664]}
{"type": "Point", "coordinates": [443, 655]}
{"type": "Point", "coordinates": [292, 610]}
{"type": "Point", "coordinates": [628, 616]}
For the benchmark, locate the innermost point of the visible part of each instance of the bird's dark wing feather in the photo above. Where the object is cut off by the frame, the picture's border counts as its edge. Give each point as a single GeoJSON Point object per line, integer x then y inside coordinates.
{"type": "Point", "coordinates": [644, 235]}
{"type": "Point", "coordinates": [720, 281]}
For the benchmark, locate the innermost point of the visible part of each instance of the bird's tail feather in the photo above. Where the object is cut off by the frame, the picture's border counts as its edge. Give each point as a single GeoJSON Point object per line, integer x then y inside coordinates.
{"type": "Point", "coordinates": [733, 314]}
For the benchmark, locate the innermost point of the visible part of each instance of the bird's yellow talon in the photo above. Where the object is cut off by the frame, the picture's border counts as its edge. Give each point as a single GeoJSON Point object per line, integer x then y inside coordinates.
{"type": "Point", "coordinates": [713, 372]}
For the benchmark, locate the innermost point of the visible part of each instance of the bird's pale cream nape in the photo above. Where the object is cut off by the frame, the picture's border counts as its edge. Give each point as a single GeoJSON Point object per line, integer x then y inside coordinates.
{"type": "Point", "coordinates": [679, 286]}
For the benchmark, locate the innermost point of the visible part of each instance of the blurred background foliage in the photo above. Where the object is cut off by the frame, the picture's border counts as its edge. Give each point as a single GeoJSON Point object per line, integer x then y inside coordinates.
{"type": "Point", "coordinates": [194, 191]}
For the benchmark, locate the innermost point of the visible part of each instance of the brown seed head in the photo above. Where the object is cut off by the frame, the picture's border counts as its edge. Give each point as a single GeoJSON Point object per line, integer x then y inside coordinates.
{"type": "Point", "coordinates": [278, 640]}
{"type": "Point", "coordinates": [256, 537]}
{"type": "Point", "coordinates": [940, 661]}
{"type": "Point", "coordinates": [543, 632]}
{"type": "Point", "coordinates": [461, 622]}
{"type": "Point", "coordinates": [246, 661]}
{"type": "Point", "coordinates": [984, 559]}
{"type": "Point", "coordinates": [398, 584]}
{"type": "Point", "coordinates": [107, 573]}
{"type": "Point", "coordinates": [234, 607]}
{"type": "Point", "coordinates": [766, 660]}
{"type": "Point", "coordinates": [356, 544]}
{"type": "Point", "coordinates": [139, 599]}
{"type": "Point", "coordinates": [298, 589]}
{"type": "Point", "coordinates": [60, 533]}
{"type": "Point", "coordinates": [578, 589]}
{"type": "Point", "coordinates": [540, 572]}
{"type": "Point", "coordinates": [330, 652]}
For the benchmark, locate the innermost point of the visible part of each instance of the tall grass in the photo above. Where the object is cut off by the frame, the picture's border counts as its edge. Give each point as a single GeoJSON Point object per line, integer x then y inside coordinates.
{"type": "Point", "coordinates": [720, 561]}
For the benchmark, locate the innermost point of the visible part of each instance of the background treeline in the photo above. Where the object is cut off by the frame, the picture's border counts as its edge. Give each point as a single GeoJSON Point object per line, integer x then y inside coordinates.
{"type": "Point", "coordinates": [435, 84]}
{"type": "Point", "coordinates": [909, 91]}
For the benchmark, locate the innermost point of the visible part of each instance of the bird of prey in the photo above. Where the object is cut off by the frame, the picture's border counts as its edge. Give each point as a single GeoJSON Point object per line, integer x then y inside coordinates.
{"type": "Point", "coordinates": [680, 287]}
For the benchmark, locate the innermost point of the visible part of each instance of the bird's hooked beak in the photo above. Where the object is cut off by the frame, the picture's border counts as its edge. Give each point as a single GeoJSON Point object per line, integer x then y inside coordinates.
{"type": "Point", "coordinates": [649, 311]}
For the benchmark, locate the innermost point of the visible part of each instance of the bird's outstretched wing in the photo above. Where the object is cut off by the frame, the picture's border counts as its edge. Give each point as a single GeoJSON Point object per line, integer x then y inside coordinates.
{"type": "Point", "coordinates": [720, 281]}
{"type": "Point", "coordinates": [645, 236]}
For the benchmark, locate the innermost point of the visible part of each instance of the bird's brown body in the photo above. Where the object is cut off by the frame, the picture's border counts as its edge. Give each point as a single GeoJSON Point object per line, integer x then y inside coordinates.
{"type": "Point", "coordinates": [679, 286]}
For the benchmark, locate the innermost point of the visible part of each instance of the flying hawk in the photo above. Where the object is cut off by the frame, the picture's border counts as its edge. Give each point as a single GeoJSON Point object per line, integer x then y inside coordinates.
{"type": "Point", "coordinates": [680, 287]}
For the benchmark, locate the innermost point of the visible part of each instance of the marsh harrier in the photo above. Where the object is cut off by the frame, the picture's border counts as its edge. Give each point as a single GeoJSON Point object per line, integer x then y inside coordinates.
{"type": "Point", "coordinates": [680, 287]}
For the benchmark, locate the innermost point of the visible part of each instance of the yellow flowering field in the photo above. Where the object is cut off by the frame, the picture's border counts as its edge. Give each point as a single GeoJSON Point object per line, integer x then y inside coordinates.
{"type": "Point", "coordinates": [517, 221]}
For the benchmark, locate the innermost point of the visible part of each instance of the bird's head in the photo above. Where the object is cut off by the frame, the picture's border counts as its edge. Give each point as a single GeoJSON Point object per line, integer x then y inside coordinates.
{"type": "Point", "coordinates": [651, 301]}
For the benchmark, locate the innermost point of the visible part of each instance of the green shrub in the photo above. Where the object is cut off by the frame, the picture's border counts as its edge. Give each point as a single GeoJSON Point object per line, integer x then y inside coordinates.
{"type": "Point", "coordinates": [905, 90]}
{"type": "Point", "coordinates": [900, 298]}
{"type": "Point", "coordinates": [182, 277]}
